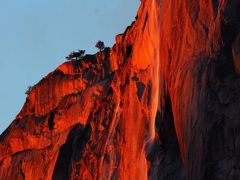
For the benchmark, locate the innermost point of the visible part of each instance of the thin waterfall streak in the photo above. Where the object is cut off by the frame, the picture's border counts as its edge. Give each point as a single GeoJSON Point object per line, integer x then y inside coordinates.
{"type": "Point", "coordinates": [154, 71]}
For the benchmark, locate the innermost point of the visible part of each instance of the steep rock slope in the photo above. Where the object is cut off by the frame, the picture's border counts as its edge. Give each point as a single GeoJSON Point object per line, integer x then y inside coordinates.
{"type": "Point", "coordinates": [164, 103]}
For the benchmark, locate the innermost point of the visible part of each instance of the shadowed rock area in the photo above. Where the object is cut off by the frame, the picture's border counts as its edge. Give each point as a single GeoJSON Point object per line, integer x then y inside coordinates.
{"type": "Point", "coordinates": [163, 103]}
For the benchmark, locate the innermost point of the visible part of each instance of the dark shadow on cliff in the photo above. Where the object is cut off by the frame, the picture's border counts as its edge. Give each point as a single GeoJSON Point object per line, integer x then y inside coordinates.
{"type": "Point", "coordinates": [163, 153]}
{"type": "Point", "coordinates": [62, 166]}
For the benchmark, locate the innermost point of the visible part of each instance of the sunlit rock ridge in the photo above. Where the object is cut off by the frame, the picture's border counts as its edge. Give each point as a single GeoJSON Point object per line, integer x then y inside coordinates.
{"type": "Point", "coordinates": [163, 103]}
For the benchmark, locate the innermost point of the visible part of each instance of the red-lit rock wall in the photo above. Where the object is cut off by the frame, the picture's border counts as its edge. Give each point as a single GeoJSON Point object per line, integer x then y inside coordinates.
{"type": "Point", "coordinates": [163, 103]}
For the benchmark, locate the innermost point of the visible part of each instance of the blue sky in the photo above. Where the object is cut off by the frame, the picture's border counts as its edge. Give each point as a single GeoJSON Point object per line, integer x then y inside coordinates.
{"type": "Point", "coordinates": [36, 35]}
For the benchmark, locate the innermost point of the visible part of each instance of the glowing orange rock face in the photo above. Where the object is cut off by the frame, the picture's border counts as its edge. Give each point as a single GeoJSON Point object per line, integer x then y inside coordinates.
{"type": "Point", "coordinates": [162, 104]}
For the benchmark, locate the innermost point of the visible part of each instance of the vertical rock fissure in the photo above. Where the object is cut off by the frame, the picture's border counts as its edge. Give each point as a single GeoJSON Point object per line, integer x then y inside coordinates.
{"type": "Point", "coordinates": [51, 120]}
{"type": "Point", "coordinates": [61, 169]}
{"type": "Point", "coordinates": [164, 154]}
{"type": "Point", "coordinates": [63, 163]}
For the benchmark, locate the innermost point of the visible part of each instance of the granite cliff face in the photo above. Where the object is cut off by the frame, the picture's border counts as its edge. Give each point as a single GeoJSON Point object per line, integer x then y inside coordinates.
{"type": "Point", "coordinates": [163, 103]}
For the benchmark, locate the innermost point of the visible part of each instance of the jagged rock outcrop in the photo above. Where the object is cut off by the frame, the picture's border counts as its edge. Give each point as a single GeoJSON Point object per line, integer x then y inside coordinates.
{"type": "Point", "coordinates": [163, 103]}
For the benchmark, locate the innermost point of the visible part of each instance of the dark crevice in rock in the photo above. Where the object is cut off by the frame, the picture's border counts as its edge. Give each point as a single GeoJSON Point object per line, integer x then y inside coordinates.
{"type": "Point", "coordinates": [128, 51]}
{"type": "Point", "coordinates": [149, 93]}
{"type": "Point", "coordinates": [165, 126]}
{"type": "Point", "coordinates": [61, 169]}
{"type": "Point", "coordinates": [51, 121]}
{"type": "Point", "coordinates": [163, 153]}
{"type": "Point", "coordinates": [57, 73]}
{"type": "Point", "coordinates": [22, 173]}
{"type": "Point", "coordinates": [140, 90]}
{"type": "Point", "coordinates": [215, 4]}
{"type": "Point", "coordinates": [80, 142]}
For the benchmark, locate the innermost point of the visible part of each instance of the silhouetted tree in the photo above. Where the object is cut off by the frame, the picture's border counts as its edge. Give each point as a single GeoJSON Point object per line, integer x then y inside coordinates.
{"type": "Point", "coordinates": [100, 45]}
{"type": "Point", "coordinates": [76, 55]}
{"type": "Point", "coordinates": [81, 53]}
